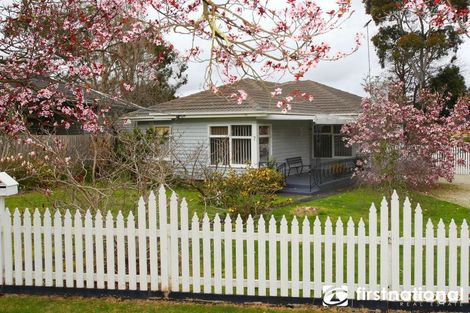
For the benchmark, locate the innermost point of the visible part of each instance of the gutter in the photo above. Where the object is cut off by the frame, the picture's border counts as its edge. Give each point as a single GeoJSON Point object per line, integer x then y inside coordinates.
{"type": "Point", "coordinates": [259, 115]}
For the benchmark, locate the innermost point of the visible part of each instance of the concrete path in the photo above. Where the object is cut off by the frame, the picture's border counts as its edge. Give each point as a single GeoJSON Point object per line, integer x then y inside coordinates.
{"type": "Point", "coordinates": [456, 192]}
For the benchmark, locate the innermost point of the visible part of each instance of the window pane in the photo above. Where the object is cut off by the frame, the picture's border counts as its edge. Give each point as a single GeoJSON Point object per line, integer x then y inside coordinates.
{"type": "Point", "coordinates": [323, 129]}
{"type": "Point", "coordinates": [322, 146]}
{"type": "Point", "coordinates": [340, 147]}
{"type": "Point", "coordinates": [241, 130]}
{"type": "Point", "coordinates": [264, 149]}
{"type": "Point", "coordinates": [219, 130]}
{"type": "Point", "coordinates": [264, 131]}
{"type": "Point", "coordinates": [241, 151]}
{"type": "Point", "coordinates": [219, 151]}
{"type": "Point", "coordinates": [337, 129]}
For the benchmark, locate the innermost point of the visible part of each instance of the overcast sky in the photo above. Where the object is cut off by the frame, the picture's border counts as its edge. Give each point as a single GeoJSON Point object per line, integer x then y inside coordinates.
{"type": "Point", "coordinates": [346, 74]}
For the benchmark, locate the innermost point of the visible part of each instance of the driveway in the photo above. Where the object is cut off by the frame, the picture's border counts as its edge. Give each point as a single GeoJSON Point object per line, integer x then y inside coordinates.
{"type": "Point", "coordinates": [456, 192]}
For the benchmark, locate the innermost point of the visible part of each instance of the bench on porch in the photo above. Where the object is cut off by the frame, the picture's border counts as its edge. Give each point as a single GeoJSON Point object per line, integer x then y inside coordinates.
{"type": "Point", "coordinates": [296, 163]}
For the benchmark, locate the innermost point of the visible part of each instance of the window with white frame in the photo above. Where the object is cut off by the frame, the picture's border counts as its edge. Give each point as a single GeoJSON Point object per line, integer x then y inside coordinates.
{"type": "Point", "coordinates": [328, 142]}
{"type": "Point", "coordinates": [230, 145]}
{"type": "Point", "coordinates": [264, 143]}
{"type": "Point", "coordinates": [164, 136]}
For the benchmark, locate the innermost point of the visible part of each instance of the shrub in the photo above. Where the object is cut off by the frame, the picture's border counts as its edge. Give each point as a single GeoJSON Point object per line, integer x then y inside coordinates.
{"type": "Point", "coordinates": [29, 171]}
{"type": "Point", "coordinates": [250, 192]}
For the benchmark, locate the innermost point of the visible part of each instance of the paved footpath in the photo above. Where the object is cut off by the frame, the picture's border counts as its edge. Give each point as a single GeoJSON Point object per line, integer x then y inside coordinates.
{"type": "Point", "coordinates": [457, 192]}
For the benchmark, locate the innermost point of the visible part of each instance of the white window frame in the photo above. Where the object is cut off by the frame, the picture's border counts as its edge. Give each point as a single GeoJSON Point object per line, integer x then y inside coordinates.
{"type": "Point", "coordinates": [270, 136]}
{"type": "Point", "coordinates": [170, 136]}
{"type": "Point", "coordinates": [253, 138]}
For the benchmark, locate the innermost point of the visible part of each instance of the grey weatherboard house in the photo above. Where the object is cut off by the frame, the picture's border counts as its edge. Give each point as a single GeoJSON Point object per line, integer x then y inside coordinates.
{"type": "Point", "coordinates": [304, 143]}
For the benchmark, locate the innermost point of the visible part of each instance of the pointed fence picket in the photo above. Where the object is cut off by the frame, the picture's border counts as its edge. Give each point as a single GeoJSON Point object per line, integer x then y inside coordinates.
{"type": "Point", "coordinates": [160, 249]}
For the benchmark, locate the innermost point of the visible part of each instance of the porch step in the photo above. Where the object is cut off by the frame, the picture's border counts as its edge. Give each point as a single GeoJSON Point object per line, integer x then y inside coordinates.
{"type": "Point", "coordinates": [300, 189]}
{"type": "Point", "coordinates": [304, 189]}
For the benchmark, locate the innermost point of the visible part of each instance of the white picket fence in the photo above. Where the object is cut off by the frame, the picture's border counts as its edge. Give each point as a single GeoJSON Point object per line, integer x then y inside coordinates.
{"type": "Point", "coordinates": [462, 169]}
{"type": "Point", "coordinates": [172, 253]}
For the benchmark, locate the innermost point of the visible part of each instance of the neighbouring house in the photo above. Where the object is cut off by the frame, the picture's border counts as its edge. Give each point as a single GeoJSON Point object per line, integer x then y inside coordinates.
{"type": "Point", "coordinates": [305, 143]}
{"type": "Point", "coordinates": [92, 98]}
{"type": "Point", "coordinates": [75, 139]}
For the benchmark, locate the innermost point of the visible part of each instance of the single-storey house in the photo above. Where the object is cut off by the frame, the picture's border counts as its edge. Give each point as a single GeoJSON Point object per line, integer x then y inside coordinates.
{"type": "Point", "coordinates": [305, 143]}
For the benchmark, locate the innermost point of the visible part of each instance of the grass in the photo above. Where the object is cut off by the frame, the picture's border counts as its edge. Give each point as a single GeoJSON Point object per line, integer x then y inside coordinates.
{"type": "Point", "coordinates": [124, 200]}
{"type": "Point", "coordinates": [354, 203]}
{"type": "Point", "coordinates": [33, 304]}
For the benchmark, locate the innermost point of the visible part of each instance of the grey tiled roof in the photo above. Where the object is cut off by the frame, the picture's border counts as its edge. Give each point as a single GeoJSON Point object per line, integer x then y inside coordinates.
{"type": "Point", "coordinates": [327, 100]}
{"type": "Point", "coordinates": [40, 82]}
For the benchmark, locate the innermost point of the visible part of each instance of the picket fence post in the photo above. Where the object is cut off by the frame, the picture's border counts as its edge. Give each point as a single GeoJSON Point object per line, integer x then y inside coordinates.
{"type": "Point", "coordinates": [261, 256]}
{"type": "Point", "coordinates": [68, 250]}
{"type": "Point", "coordinates": [294, 265]}
{"type": "Point", "coordinates": [407, 244]}
{"type": "Point", "coordinates": [373, 283]}
{"type": "Point", "coordinates": [228, 255]}
{"type": "Point", "coordinates": [394, 255]}
{"type": "Point", "coordinates": [464, 259]}
{"type": "Point", "coordinates": [418, 235]}
{"type": "Point", "coordinates": [384, 246]}
{"type": "Point", "coordinates": [47, 225]}
{"type": "Point", "coordinates": [306, 258]}
{"type": "Point", "coordinates": [110, 260]}
{"type": "Point", "coordinates": [2, 251]}
{"type": "Point", "coordinates": [164, 248]}
{"type": "Point", "coordinates": [317, 257]}
{"type": "Point", "coordinates": [142, 227]}
{"type": "Point", "coordinates": [152, 214]}
{"type": "Point", "coordinates": [174, 243]}
{"type": "Point", "coordinates": [195, 241]}
{"type": "Point", "coordinates": [217, 255]}
{"type": "Point", "coordinates": [206, 254]}
{"type": "Point", "coordinates": [121, 261]}
{"type": "Point", "coordinates": [99, 250]}
{"type": "Point", "coordinates": [79, 249]}
{"type": "Point", "coordinates": [239, 264]}
{"type": "Point", "coordinates": [184, 246]}
{"type": "Point", "coordinates": [250, 260]}
{"type": "Point", "coordinates": [328, 252]}
{"type": "Point", "coordinates": [38, 269]}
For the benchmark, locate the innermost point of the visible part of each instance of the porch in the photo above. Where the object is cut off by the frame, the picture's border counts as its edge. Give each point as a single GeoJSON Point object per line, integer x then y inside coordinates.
{"type": "Point", "coordinates": [323, 161]}
{"type": "Point", "coordinates": [323, 176]}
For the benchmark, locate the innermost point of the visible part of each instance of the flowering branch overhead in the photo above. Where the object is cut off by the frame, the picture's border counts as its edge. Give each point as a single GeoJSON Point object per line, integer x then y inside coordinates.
{"type": "Point", "coordinates": [64, 40]}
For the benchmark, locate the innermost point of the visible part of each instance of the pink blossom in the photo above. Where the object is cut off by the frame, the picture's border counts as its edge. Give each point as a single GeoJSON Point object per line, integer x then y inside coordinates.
{"type": "Point", "coordinates": [406, 146]}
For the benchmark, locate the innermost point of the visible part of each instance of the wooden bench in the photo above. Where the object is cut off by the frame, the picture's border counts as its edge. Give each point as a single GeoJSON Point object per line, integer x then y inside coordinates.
{"type": "Point", "coordinates": [295, 163]}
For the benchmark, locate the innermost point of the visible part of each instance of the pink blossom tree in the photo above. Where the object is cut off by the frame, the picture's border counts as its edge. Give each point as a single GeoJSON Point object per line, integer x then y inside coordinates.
{"type": "Point", "coordinates": [403, 146]}
{"type": "Point", "coordinates": [63, 39]}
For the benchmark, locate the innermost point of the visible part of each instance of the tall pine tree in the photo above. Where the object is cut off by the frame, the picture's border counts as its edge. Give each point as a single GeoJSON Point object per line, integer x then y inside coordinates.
{"type": "Point", "coordinates": [414, 48]}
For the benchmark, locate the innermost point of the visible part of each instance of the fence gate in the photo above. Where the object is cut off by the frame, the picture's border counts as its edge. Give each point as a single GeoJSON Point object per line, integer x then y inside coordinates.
{"type": "Point", "coordinates": [165, 249]}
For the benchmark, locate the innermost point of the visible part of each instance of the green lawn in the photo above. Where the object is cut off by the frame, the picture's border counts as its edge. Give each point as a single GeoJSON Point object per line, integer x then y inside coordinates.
{"type": "Point", "coordinates": [124, 200]}
{"type": "Point", "coordinates": [32, 304]}
{"type": "Point", "coordinates": [354, 203]}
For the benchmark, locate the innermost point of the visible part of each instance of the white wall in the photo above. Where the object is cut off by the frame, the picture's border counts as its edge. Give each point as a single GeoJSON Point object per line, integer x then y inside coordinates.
{"type": "Point", "coordinates": [291, 139]}
{"type": "Point", "coordinates": [191, 138]}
